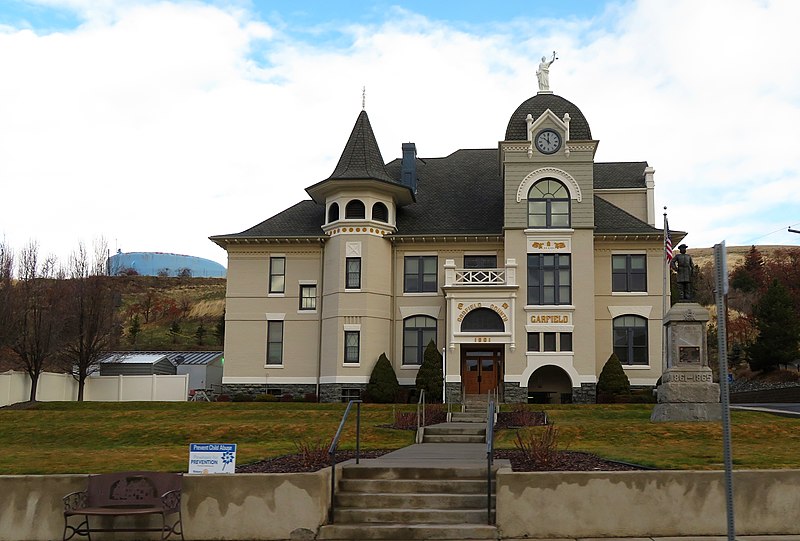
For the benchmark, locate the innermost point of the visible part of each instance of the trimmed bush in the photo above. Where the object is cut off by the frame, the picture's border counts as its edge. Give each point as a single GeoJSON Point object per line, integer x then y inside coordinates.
{"type": "Point", "coordinates": [383, 385]}
{"type": "Point", "coordinates": [612, 380]}
{"type": "Point", "coordinates": [429, 376]}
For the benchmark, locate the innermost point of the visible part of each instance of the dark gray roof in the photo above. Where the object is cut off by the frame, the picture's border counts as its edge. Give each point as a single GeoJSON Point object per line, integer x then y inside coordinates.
{"type": "Point", "coordinates": [609, 219]}
{"type": "Point", "coordinates": [619, 175]}
{"type": "Point", "coordinates": [361, 158]}
{"type": "Point", "coordinates": [517, 129]}
{"type": "Point", "coordinates": [459, 194]}
{"type": "Point", "coordinates": [304, 219]}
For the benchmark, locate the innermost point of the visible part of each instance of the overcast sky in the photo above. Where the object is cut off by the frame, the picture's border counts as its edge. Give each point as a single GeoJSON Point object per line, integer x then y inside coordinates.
{"type": "Point", "coordinates": [156, 124]}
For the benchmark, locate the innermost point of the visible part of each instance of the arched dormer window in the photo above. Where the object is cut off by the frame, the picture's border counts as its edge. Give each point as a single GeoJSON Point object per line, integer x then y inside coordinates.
{"type": "Point", "coordinates": [333, 212]}
{"type": "Point", "coordinates": [483, 320]}
{"type": "Point", "coordinates": [548, 205]}
{"type": "Point", "coordinates": [355, 210]}
{"type": "Point", "coordinates": [380, 213]}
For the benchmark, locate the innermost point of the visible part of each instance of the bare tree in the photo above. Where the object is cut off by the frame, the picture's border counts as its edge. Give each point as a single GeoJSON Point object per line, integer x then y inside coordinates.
{"type": "Point", "coordinates": [6, 283]}
{"type": "Point", "coordinates": [90, 312]}
{"type": "Point", "coordinates": [36, 301]}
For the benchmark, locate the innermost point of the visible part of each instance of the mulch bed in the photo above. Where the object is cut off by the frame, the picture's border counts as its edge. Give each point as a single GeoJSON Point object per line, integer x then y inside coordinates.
{"type": "Point", "coordinates": [562, 461]}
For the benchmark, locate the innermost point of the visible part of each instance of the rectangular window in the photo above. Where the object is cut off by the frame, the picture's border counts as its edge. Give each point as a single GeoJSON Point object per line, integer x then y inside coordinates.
{"type": "Point", "coordinates": [629, 272]}
{"type": "Point", "coordinates": [352, 343]}
{"type": "Point", "coordinates": [277, 274]}
{"type": "Point", "coordinates": [350, 394]}
{"type": "Point", "coordinates": [353, 271]}
{"type": "Point", "coordinates": [308, 297]}
{"type": "Point", "coordinates": [274, 342]}
{"type": "Point", "coordinates": [549, 279]}
{"type": "Point", "coordinates": [566, 341]}
{"type": "Point", "coordinates": [533, 341]}
{"type": "Point", "coordinates": [549, 341]}
{"type": "Point", "coordinates": [419, 275]}
{"type": "Point", "coordinates": [480, 261]}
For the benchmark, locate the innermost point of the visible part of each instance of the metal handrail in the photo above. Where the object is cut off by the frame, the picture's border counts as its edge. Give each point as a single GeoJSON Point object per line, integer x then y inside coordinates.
{"type": "Point", "coordinates": [335, 444]}
{"type": "Point", "coordinates": [420, 404]}
{"type": "Point", "coordinates": [489, 458]}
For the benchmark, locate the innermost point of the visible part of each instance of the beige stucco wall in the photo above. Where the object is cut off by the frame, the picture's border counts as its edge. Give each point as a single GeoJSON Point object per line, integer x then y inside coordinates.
{"type": "Point", "coordinates": [236, 507]}
{"type": "Point", "coordinates": [634, 201]}
{"type": "Point", "coordinates": [644, 503]}
{"type": "Point", "coordinates": [611, 304]}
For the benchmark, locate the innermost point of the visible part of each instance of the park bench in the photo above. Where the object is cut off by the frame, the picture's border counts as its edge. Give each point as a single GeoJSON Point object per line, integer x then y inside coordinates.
{"type": "Point", "coordinates": [126, 494]}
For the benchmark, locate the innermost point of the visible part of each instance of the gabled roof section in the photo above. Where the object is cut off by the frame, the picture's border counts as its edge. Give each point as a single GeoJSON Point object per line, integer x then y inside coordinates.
{"type": "Point", "coordinates": [361, 158]}
{"type": "Point", "coordinates": [611, 220]}
{"type": "Point", "coordinates": [615, 175]}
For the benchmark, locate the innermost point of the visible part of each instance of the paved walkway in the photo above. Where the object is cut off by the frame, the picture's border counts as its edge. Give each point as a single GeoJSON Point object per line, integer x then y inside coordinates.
{"type": "Point", "coordinates": [711, 538]}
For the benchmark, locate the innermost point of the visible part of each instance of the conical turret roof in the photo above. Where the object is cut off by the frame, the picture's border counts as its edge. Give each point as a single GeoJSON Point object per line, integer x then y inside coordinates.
{"type": "Point", "coordinates": [361, 158]}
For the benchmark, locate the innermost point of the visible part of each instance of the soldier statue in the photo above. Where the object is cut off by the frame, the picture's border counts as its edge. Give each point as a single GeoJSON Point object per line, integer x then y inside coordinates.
{"type": "Point", "coordinates": [682, 264]}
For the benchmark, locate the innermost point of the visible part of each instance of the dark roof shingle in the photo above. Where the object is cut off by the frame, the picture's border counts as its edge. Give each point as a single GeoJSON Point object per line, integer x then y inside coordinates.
{"type": "Point", "coordinates": [611, 175]}
{"type": "Point", "coordinates": [361, 157]}
{"type": "Point", "coordinates": [609, 219]}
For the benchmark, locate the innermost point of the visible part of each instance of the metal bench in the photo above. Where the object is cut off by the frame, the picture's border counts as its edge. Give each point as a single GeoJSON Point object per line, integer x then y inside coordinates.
{"type": "Point", "coordinates": [138, 493]}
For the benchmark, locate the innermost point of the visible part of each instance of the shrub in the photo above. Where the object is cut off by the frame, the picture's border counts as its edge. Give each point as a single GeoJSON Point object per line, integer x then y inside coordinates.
{"type": "Point", "coordinates": [383, 386]}
{"type": "Point", "coordinates": [429, 375]}
{"type": "Point", "coordinates": [312, 453]}
{"type": "Point", "coordinates": [266, 398]}
{"type": "Point", "coordinates": [612, 380]}
{"type": "Point", "coordinates": [538, 446]}
{"type": "Point", "coordinates": [287, 397]}
{"type": "Point", "coordinates": [311, 397]}
{"type": "Point", "coordinates": [242, 397]}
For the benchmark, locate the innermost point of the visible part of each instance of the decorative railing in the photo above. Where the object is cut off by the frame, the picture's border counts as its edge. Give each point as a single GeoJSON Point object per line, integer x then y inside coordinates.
{"type": "Point", "coordinates": [480, 277]}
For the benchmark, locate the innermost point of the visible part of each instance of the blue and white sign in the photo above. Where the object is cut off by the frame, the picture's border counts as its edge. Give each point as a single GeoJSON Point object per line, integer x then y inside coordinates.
{"type": "Point", "coordinates": [212, 458]}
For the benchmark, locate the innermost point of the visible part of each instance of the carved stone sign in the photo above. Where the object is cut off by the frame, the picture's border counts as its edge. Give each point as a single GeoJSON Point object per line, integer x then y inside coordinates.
{"type": "Point", "coordinates": [689, 355]}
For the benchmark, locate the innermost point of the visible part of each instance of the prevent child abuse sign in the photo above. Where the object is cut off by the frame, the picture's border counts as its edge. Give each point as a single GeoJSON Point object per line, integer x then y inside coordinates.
{"type": "Point", "coordinates": [212, 458]}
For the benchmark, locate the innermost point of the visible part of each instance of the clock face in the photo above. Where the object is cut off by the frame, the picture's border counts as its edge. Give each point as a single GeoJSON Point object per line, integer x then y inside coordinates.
{"type": "Point", "coordinates": [548, 141]}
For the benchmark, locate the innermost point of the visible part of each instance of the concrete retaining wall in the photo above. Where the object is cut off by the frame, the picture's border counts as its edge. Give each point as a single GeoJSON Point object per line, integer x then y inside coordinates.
{"type": "Point", "coordinates": [529, 505]}
{"type": "Point", "coordinates": [237, 507]}
{"type": "Point", "coordinates": [645, 503]}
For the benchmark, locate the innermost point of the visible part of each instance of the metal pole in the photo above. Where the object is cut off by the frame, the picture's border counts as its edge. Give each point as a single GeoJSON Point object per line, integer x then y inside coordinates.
{"type": "Point", "coordinates": [721, 290]}
{"type": "Point", "coordinates": [444, 376]}
{"type": "Point", "coordinates": [358, 432]}
{"type": "Point", "coordinates": [333, 487]}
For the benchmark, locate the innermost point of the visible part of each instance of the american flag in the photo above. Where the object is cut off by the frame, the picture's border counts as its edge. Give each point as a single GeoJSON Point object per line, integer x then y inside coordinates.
{"type": "Point", "coordinates": [667, 241]}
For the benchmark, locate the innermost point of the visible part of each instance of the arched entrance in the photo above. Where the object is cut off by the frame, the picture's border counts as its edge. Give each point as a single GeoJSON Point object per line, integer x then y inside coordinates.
{"type": "Point", "coordinates": [549, 385]}
{"type": "Point", "coordinates": [482, 365]}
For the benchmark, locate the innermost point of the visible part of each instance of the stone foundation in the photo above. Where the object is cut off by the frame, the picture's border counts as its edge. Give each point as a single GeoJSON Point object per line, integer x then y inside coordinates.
{"type": "Point", "coordinates": [332, 392]}
{"type": "Point", "coordinates": [585, 394]}
{"type": "Point", "coordinates": [298, 391]}
{"type": "Point", "coordinates": [514, 393]}
{"type": "Point", "coordinates": [453, 391]}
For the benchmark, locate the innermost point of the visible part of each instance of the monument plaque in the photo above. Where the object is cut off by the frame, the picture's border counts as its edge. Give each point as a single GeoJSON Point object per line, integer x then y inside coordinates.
{"type": "Point", "coordinates": [687, 391]}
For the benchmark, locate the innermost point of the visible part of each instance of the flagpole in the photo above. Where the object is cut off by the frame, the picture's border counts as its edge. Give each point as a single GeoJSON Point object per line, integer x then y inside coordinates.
{"type": "Point", "coordinates": [664, 291]}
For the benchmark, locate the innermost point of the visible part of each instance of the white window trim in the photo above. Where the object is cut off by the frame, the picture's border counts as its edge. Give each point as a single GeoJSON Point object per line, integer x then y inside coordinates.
{"type": "Point", "coordinates": [629, 293]}
{"type": "Point", "coordinates": [643, 311]}
{"type": "Point", "coordinates": [352, 327]}
{"type": "Point", "coordinates": [301, 283]}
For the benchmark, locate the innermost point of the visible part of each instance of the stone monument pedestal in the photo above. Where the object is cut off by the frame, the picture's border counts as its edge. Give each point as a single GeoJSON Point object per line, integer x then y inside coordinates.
{"type": "Point", "coordinates": [687, 391]}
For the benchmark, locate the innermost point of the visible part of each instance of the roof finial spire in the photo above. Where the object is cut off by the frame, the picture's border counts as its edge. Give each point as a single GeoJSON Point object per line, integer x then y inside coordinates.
{"type": "Point", "coordinates": [363, 98]}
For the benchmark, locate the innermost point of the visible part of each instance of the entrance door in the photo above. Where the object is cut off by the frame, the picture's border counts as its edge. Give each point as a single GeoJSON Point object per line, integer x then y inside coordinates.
{"type": "Point", "coordinates": [480, 369]}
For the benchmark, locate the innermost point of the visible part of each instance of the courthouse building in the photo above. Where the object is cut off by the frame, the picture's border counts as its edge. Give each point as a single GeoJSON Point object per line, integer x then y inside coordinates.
{"type": "Point", "coordinates": [527, 264]}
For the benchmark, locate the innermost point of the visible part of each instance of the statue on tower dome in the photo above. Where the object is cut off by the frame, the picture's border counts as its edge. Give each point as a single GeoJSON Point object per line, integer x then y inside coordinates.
{"type": "Point", "coordinates": [543, 73]}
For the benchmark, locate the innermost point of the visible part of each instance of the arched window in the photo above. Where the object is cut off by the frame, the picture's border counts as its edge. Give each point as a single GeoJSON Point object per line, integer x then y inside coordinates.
{"type": "Point", "coordinates": [483, 320]}
{"type": "Point", "coordinates": [354, 210]}
{"type": "Point", "coordinates": [333, 212]}
{"type": "Point", "coordinates": [418, 331]}
{"type": "Point", "coordinates": [630, 339]}
{"type": "Point", "coordinates": [380, 213]}
{"type": "Point", "coordinates": [548, 205]}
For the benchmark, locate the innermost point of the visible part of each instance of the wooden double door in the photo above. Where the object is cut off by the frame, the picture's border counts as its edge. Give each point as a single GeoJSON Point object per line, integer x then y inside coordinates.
{"type": "Point", "coordinates": [481, 368]}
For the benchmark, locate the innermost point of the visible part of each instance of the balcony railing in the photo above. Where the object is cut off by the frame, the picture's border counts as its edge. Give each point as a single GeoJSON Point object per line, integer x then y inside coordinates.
{"type": "Point", "coordinates": [505, 276]}
{"type": "Point", "coordinates": [480, 276]}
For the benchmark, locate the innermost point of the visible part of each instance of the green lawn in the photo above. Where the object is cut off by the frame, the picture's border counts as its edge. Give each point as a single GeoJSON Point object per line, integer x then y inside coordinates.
{"type": "Point", "coordinates": [68, 437]}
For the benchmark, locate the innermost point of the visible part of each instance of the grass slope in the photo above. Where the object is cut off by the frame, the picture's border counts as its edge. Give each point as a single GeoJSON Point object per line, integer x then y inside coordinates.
{"type": "Point", "coordinates": [64, 437]}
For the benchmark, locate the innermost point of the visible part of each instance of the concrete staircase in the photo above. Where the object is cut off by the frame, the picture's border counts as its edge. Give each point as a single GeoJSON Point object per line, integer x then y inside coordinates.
{"type": "Point", "coordinates": [474, 410]}
{"type": "Point", "coordinates": [395, 501]}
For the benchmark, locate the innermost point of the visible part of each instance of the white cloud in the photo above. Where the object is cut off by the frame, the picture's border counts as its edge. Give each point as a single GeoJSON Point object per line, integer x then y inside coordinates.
{"type": "Point", "coordinates": [160, 123]}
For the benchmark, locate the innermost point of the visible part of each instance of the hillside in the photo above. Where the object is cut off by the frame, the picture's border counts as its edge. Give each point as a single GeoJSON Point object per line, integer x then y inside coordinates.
{"type": "Point", "coordinates": [169, 312]}
{"type": "Point", "coordinates": [736, 254]}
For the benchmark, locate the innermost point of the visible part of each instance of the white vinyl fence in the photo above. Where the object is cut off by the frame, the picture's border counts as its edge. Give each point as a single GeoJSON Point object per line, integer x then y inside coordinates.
{"type": "Point", "coordinates": [16, 387]}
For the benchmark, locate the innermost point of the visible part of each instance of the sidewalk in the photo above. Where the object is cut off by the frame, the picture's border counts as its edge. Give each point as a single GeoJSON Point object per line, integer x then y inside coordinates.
{"type": "Point", "coordinates": [711, 538]}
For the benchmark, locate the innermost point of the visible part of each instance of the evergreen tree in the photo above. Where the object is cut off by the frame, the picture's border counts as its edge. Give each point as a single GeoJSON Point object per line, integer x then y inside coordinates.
{"type": "Point", "coordinates": [612, 380]}
{"type": "Point", "coordinates": [778, 330]}
{"type": "Point", "coordinates": [383, 385]}
{"type": "Point", "coordinates": [174, 331]}
{"type": "Point", "coordinates": [749, 276]}
{"type": "Point", "coordinates": [219, 329]}
{"type": "Point", "coordinates": [134, 329]}
{"type": "Point", "coordinates": [430, 376]}
{"type": "Point", "coordinates": [200, 334]}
